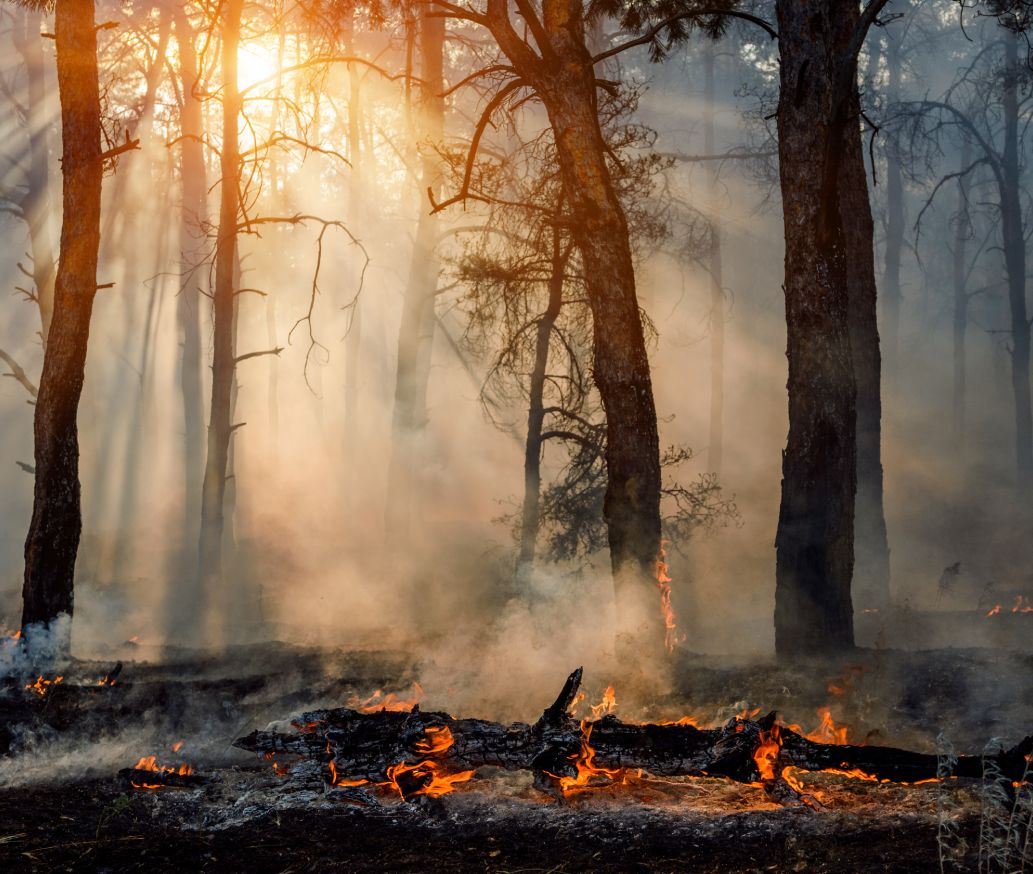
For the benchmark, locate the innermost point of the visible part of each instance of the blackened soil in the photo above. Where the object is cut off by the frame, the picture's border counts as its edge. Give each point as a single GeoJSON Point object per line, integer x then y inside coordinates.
{"type": "Point", "coordinates": [94, 826]}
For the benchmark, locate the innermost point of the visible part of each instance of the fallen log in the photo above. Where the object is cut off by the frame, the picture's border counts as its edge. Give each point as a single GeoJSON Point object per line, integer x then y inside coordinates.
{"type": "Point", "coordinates": [565, 753]}
{"type": "Point", "coordinates": [144, 778]}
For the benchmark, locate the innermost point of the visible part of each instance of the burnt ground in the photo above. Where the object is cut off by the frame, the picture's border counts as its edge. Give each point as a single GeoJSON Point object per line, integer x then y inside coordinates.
{"type": "Point", "coordinates": [63, 807]}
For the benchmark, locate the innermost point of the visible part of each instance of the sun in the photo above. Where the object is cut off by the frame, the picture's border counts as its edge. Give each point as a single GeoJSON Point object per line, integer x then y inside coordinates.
{"type": "Point", "coordinates": [256, 62]}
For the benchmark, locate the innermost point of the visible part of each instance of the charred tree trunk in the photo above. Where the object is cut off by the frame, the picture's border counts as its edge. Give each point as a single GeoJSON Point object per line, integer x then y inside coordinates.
{"type": "Point", "coordinates": [35, 204]}
{"type": "Point", "coordinates": [223, 355]}
{"type": "Point", "coordinates": [53, 540]}
{"type": "Point", "coordinates": [962, 231]}
{"type": "Point", "coordinates": [531, 511]}
{"type": "Point", "coordinates": [814, 543]}
{"type": "Point", "coordinates": [564, 79]}
{"type": "Point", "coordinates": [871, 577]}
{"type": "Point", "coordinates": [416, 333]}
{"type": "Point", "coordinates": [717, 292]}
{"type": "Point", "coordinates": [1014, 245]}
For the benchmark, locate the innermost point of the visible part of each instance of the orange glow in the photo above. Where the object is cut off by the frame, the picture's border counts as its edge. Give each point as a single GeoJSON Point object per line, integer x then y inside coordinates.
{"type": "Point", "coordinates": [663, 583]}
{"type": "Point", "coordinates": [827, 731]}
{"type": "Point", "coordinates": [607, 705]}
{"type": "Point", "coordinates": [1022, 605]}
{"type": "Point", "coordinates": [436, 740]}
{"type": "Point", "coordinates": [337, 780]}
{"type": "Point", "coordinates": [177, 746]}
{"type": "Point", "coordinates": [149, 763]}
{"type": "Point", "coordinates": [379, 701]}
{"type": "Point", "coordinates": [437, 782]}
{"type": "Point", "coordinates": [993, 611]}
{"type": "Point", "coordinates": [42, 685]}
{"type": "Point", "coordinates": [586, 767]}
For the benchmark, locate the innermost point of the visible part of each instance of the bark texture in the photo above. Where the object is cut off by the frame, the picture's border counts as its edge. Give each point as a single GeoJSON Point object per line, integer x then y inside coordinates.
{"type": "Point", "coordinates": [814, 542]}
{"type": "Point", "coordinates": [53, 539]}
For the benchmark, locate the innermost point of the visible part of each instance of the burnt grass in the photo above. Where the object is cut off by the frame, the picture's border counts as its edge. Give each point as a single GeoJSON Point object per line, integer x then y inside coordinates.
{"type": "Point", "coordinates": [63, 807]}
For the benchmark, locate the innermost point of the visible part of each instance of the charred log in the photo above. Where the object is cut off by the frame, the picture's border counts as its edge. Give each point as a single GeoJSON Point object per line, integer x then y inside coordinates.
{"type": "Point", "coordinates": [358, 746]}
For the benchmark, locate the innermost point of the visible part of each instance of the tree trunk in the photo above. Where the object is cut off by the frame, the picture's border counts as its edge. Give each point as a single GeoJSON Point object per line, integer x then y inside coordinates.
{"type": "Point", "coordinates": [1014, 244]}
{"type": "Point", "coordinates": [36, 202]}
{"type": "Point", "coordinates": [717, 293]}
{"type": "Point", "coordinates": [871, 578]}
{"type": "Point", "coordinates": [223, 361]}
{"type": "Point", "coordinates": [416, 332]}
{"type": "Point", "coordinates": [53, 538]}
{"type": "Point", "coordinates": [814, 542]}
{"type": "Point", "coordinates": [531, 512]}
{"type": "Point", "coordinates": [962, 230]}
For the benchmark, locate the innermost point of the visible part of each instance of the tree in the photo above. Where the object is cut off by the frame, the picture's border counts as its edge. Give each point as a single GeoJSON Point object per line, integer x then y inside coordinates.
{"type": "Point", "coordinates": [553, 62]}
{"type": "Point", "coordinates": [53, 539]}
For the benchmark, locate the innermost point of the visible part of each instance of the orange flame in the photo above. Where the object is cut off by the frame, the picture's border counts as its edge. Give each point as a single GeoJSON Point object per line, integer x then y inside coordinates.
{"type": "Point", "coordinates": [993, 611]}
{"type": "Point", "coordinates": [149, 763]}
{"type": "Point", "coordinates": [584, 760]}
{"type": "Point", "coordinates": [1022, 605]}
{"type": "Point", "coordinates": [827, 731]}
{"type": "Point", "coordinates": [437, 740]}
{"type": "Point", "coordinates": [379, 701]}
{"type": "Point", "coordinates": [42, 685]}
{"type": "Point", "coordinates": [437, 782]}
{"type": "Point", "coordinates": [607, 705]}
{"type": "Point", "coordinates": [663, 583]}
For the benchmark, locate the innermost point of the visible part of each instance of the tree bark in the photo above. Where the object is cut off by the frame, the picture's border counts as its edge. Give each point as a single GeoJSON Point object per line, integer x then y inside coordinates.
{"type": "Point", "coordinates": [213, 489]}
{"type": "Point", "coordinates": [53, 539]}
{"type": "Point", "coordinates": [416, 332]}
{"type": "Point", "coordinates": [814, 542]}
{"type": "Point", "coordinates": [1014, 245]}
{"type": "Point", "coordinates": [871, 577]}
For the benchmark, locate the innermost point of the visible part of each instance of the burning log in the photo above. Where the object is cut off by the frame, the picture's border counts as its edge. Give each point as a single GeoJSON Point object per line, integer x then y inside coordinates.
{"type": "Point", "coordinates": [426, 753]}
{"type": "Point", "coordinates": [148, 774]}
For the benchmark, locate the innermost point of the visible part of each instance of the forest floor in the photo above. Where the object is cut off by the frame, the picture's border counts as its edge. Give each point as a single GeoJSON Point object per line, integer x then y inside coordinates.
{"type": "Point", "coordinates": [63, 807]}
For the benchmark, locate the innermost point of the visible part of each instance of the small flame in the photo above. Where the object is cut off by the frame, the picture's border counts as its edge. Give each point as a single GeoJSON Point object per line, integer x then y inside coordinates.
{"type": "Point", "coordinates": [1022, 605]}
{"type": "Point", "coordinates": [584, 760]}
{"type": "Point", "coordinates": [177, 746]}
{"type": "Point", "coordinates": [827, 731]}
{"type": "Point", "coordinates": [43, 685]}
{"type": "Point", "coordinates": [150, 763]}
{"type": "Point", "coordinates": [607, 705]}
{"type": "Point", "coordinates": [993, 611]}
{"type": "Point", "coordinates": [379, 701]}
{"type": "Point", "coordinates": [437, 739]}
{"type": "Point", "coordinates": [663, 583]}
{"type": "Point", "coordinates": [435, 782]}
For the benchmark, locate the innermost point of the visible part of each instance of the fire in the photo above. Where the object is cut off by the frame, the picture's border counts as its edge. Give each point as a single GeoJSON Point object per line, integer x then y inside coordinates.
{"type": "Point", "coordinates": [337, 780]}
{"type": "Point", "coordinates": [766, 754]}
{"type": "Point", "coordinates": [663, 583]}
{"type": "Point", "coordinates": [150, 763]}
{"type": "Point", "coordinates": [607, 705]}
{"type": "Point", "coordinates": [379, 701]}
{"type": "Point", "coordinates": [993, 611]}
{"type": "Point", "coordinates": [1022, 605]}
{"type": "Point", "coordinates": [177, 746]}
{"type": "Point", "coordinates": [435, 782]}
{"type": "Point", "coordinates": [586, 767]}
{"type": "Point", "coordinates": [437, 740]}
{"type": "Point", "coordinates": [827, 731]}
{"type": "Point", "coordinates": [42, 685]}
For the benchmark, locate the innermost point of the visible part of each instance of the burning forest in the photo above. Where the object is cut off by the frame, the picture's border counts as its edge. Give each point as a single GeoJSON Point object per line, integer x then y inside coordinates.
{"type": "Point", "coordinates": [416, 461]}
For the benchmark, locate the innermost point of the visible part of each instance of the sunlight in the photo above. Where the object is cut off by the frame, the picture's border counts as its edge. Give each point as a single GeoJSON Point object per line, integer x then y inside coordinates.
{"type": "Point", "coordinates": [256, 61]}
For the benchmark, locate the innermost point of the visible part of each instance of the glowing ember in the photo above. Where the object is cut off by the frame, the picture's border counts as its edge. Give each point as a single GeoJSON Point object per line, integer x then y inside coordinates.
{"type": "Point", "coordinates": [993, 611]}
{"type": "Point", "coordinates": [43, 685]}
{"type": "Point", "coordinates": [663, 583]}
{"type": "Point", "coordinates": [827, 731]}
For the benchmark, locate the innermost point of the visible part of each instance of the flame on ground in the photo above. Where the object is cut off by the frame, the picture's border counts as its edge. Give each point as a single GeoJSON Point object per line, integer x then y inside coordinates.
{"type": "Point", "coordinates": [43, 685]}
{"type": "Point", "coordinates": [435, 782]}
{"type": "Point", "coordinates": [150, 763]}
{"type": "Point", "coordinates": [436, 739]}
